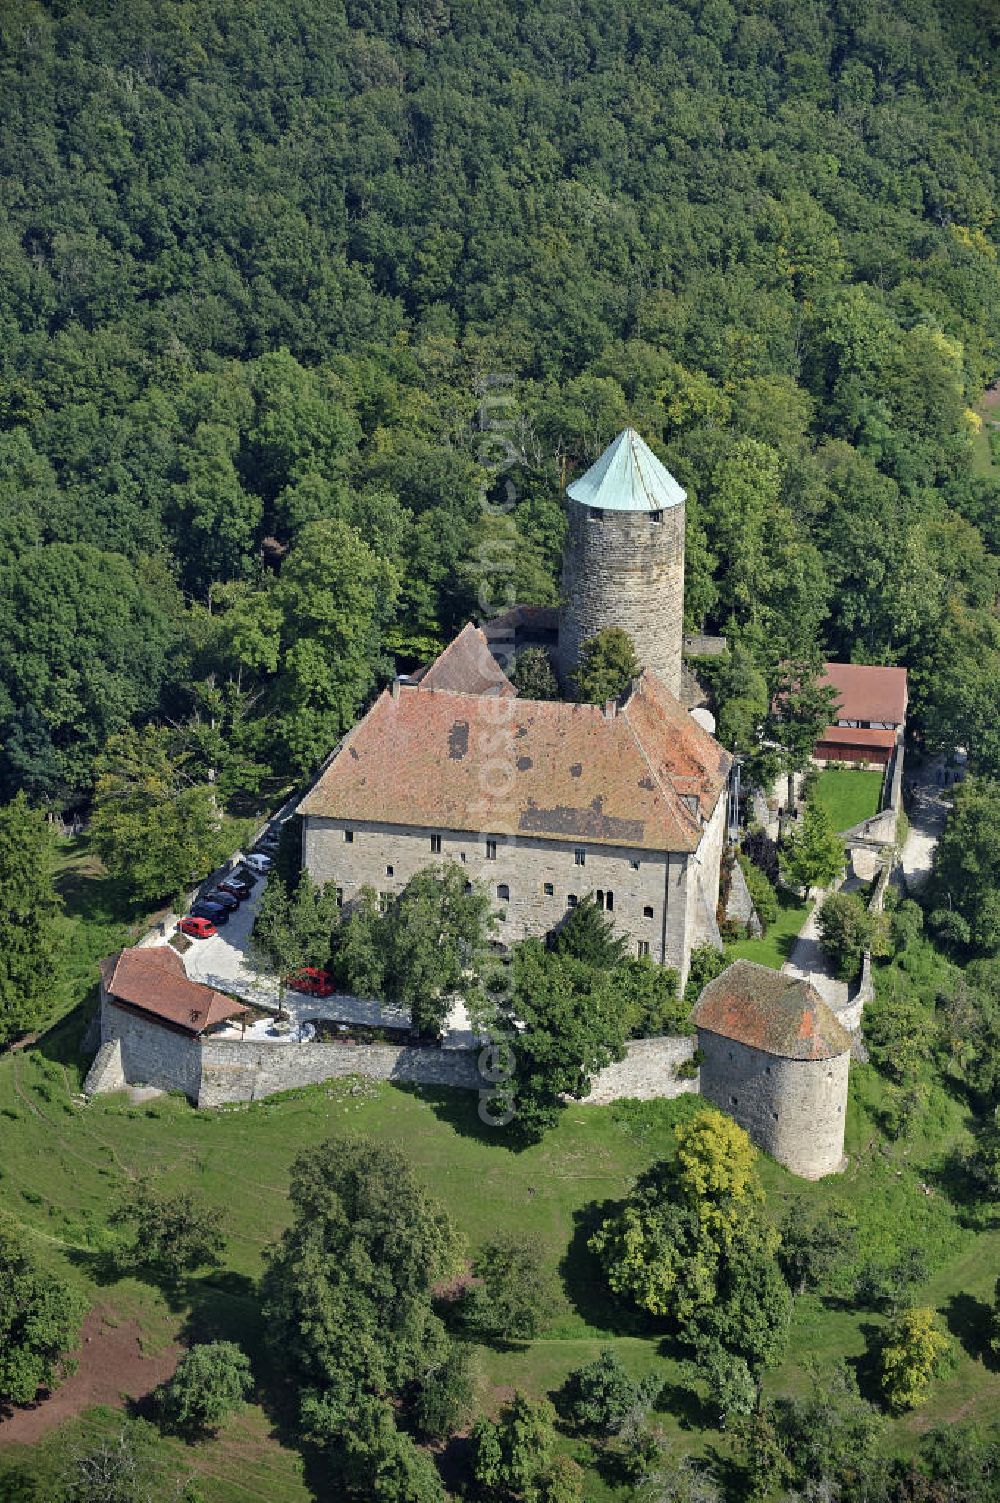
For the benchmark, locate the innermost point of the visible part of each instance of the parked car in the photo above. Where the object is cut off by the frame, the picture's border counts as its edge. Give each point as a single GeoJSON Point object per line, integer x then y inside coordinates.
{"type": "Point", "coordinates": [237, 887]}
{"type": "Point", "coordinates": [312, 980]}
{"type": "Point", "coordinates": [244, 873]}
{"type": "Point", "coordinates": [197, 927]}
{"type": "Point", "coordinates": [270, 840]}
{"type": "Point", "coordinates": [227, 900]}
{"type": "Point", "coordinates": [259, 863]}
{"type": "Point", "coordinates": [214, 912]}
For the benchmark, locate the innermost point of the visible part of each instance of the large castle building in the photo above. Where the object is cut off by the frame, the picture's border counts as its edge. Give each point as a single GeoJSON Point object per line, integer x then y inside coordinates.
{"type": "Point", "coordinates": [546, 801]}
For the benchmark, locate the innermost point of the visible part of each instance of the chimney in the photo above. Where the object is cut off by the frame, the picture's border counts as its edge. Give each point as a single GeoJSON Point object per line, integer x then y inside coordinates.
{"type": "Point", "coordinates": [610, 709]}
{"type": "Point", "coordinates": [395, 688]}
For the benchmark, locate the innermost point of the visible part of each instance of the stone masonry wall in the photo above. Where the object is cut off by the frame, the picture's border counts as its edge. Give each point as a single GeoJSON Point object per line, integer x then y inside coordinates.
{"type": "Point", "coordinates": [793, 1109]}
{"type": "Point", "coordinates": [622, 569]}
{"type": "Point", "coordinates": [647, 1073]}
{"type": "Point", "coordinates": [238, 1071]}
{"type": "Point", "coordinates": [152, 1055]}
{"type": "Point", "coordinates": [637, 879]}
{"type": "Point", "coordinates": [218, 1071]}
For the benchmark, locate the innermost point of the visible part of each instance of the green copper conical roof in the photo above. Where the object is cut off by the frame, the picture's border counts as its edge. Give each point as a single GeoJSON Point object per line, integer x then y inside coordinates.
{"type": "Point", "coordinates": [627, 477]}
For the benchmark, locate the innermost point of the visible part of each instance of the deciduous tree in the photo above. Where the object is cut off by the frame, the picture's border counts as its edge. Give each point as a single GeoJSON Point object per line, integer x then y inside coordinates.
{"type": "Point", "coordinates": [606, 667]}
{"type": "Point", "coordinates": [39, 1325]}
{"type": "Point", "coordinates": [913, 1353]}
{"type": "Point", "coordinates": [156, 822]}
{"type": "Point", "coordinates": [31, 946]}
{"type": "Point", "coordinates": [210, 1381]}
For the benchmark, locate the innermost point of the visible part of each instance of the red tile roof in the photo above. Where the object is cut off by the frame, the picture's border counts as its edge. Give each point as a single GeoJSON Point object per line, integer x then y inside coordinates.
{"type": "Point", "coordinates": [468, 667]}
{"type": "Point", "coordinates": [768, 1010]}
{"type": "Point", "coordinates": [152, 977]}
{"type": "Point", "coordinates": [849, 735]}
{"type": "Point", "coordinates": [868, 693]}
{"type": "Point", "coordinates": [428, 757]}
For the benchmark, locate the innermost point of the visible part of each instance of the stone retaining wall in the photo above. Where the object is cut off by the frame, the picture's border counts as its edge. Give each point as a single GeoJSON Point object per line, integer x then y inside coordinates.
{"type": "Point", "coordinates": [219, 1071]}
{"type": "Point", "coordinates": [648, 1072]}
{"type": "Point", "coordinates": [234, 1071]}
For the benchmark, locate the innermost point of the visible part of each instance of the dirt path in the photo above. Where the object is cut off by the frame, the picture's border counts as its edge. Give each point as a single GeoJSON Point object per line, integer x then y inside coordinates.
{"type": "Point", "coordinates": [111, 1368]}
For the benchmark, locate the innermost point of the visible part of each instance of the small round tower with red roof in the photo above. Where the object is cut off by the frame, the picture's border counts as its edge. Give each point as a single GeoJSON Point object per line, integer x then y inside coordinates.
{"type": "Point", "coordinates": [776, 1059]}
{"type": "Point", "coordinates": [623, 564]}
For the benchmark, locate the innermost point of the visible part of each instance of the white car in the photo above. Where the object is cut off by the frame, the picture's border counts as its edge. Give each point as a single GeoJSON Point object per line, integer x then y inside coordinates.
{"type": "Point", "coordinates": [259, 863]}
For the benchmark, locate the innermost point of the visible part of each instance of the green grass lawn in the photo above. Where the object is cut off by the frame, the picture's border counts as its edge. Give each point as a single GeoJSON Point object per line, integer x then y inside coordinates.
{"type": "Point", "coordinates": [775, 948]}
{"type": "Point", "coordinates": [848, 796]}
{"type": "Point", "coordinates": [63, 1163]}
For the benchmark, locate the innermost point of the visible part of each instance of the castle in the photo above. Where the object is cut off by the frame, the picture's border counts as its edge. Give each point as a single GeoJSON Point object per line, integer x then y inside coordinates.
{"type": "Point", "coordinates": [544, 801]}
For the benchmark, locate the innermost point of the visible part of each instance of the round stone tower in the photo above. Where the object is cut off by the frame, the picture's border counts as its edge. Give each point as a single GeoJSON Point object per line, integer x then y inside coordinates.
{"type": "Point", "coordinates": [623, 564]}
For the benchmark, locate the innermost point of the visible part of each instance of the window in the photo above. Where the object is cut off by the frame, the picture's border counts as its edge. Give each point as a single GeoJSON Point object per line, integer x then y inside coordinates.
{"type": "Point", "coordinates": [635, 866]}
{"type": "Point", "coordinates": [349, 836]}
{"type": "Point", "coordinates": [609, 901]}
{"type": "Point", "coordinates": [383, 902]}
{"type": "Point", "coordinates": [643, 948]}
{"type": "Point", "coordinates": [605, 900]}
{"type": "Point", "coordinates": [647, 912]}
{"type": "Point", "coordinates": [503, 893]}
{"type": "Point", "coordinates": [734, 1101]}
{"type": "Point", "coordinates": [491, 850]}
{"type": "Point", "coordinates": [468, 886]}
{"type": "Point", "coordinates": [388, 871]}
{"type": "Point", "coordinates": [580, 857]}
{"type": "Point", "coordinates": [571, 900]}
{"type": "Point", "coordinates": [436, 845]}
{"type": "Point", "coordinates": [599, 898]}
{"type": "Point", "coordinates": [596, 514]}
{"type": "Point", "coordinates": [656, 516]}
{"type": "Point", "coordinates": [548, 889]}
{"type": "Point", "coordinates": [340, 897]}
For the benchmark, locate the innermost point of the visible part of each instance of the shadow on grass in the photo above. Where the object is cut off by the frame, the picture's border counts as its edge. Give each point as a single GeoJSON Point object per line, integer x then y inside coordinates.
{"type": "Point", "coordinates": [63, 1043]}
{"type": "Point", "coordinates": [684, 1403]}
{"type": "Point", "coordinates": [88, 893]}
{"type": "Point", "coordinates": [968, 1320]}
{"type": "Point", "coordinates": [584, 1280]}
{"type": "Point", "coordinates": [728, 1473]}
{"type": "Point", "coordinates": [866, 1363]}
{"type": "Point", "coordinates": [459, 1108]}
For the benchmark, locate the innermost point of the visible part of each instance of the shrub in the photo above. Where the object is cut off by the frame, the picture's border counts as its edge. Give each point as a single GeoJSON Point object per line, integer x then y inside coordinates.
{"type": "Point", "coordinates": [761, 850]}
{"type": "Point", "coordinates": [211, 1381]}
{"type": "Point", "coordinates": [846, 931]}
{"type": "Point", "coordinates": [765, 899]}
{"type": "Point", "coordinates": [601, 1397]}
{"type": "Point", "coordinates": [515, 1296]}
{"type": "Point", "coordinates": [167, 1234]}
{"type": "Point", "coordinates": [706, 963]}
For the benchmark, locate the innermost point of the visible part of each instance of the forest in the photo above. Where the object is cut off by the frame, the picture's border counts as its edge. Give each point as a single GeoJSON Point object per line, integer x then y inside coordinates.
{"type": "Point", "coordinates": [310, 310]}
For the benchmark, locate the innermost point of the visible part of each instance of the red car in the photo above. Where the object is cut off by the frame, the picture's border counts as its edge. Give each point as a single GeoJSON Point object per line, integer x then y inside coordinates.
{"type": "Point", "coordinates": [198, 928]}
{"type": "Point", "coordinates": [316, 982]}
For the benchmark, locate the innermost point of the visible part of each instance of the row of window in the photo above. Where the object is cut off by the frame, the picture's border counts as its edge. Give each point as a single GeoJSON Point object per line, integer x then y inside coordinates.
{"type": "Point", "coordinates": [503, 893]}
{"type": "Point", "coordinates": [579, 854]}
